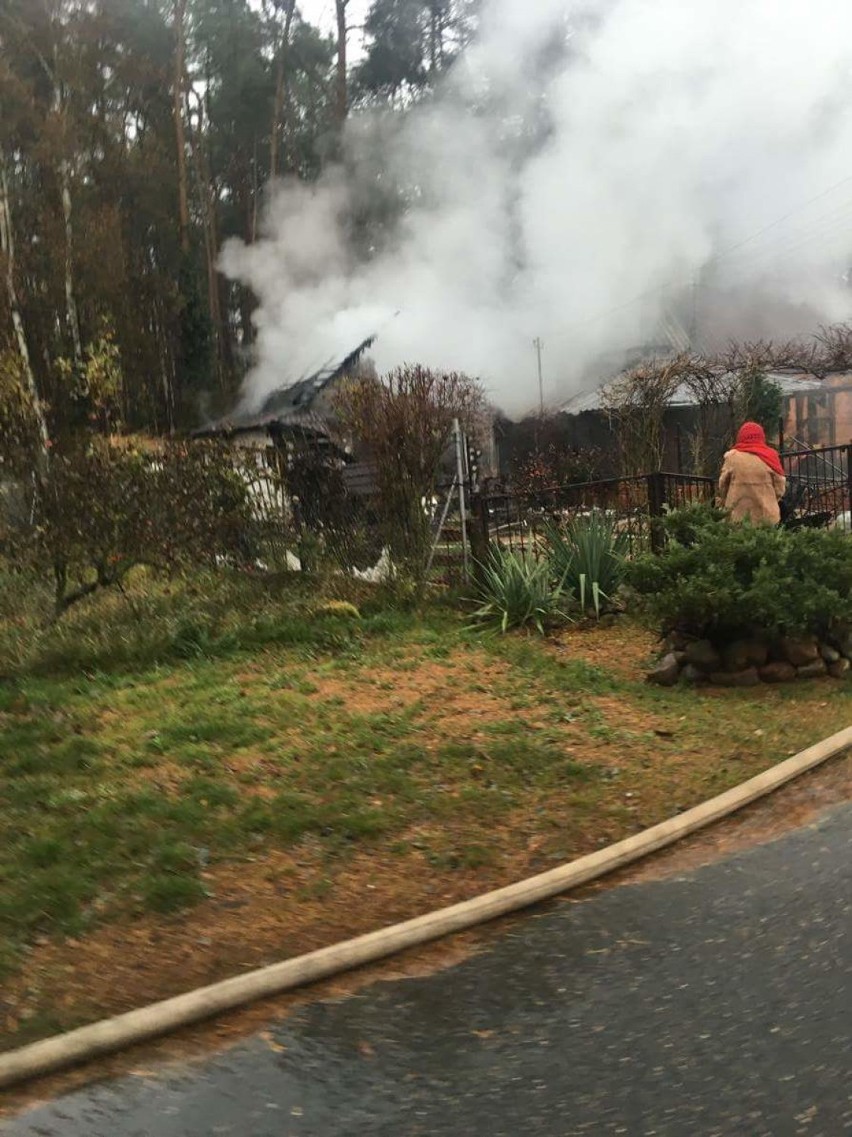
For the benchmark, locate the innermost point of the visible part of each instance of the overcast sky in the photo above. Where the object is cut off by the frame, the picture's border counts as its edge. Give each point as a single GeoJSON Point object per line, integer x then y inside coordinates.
{"type": "Point", "coordinates": [321, 13]}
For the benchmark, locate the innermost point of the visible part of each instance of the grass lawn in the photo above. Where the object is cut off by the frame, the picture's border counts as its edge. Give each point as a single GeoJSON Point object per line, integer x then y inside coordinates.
{"type": "Point", "coordinates": [192, 792]}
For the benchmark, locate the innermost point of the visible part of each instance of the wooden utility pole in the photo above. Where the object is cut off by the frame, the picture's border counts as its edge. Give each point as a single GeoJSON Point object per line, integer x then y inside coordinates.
{"type": "Point", "coordinates": [538, 345]}
{"type": "Point", "coordinates": [693, 323]}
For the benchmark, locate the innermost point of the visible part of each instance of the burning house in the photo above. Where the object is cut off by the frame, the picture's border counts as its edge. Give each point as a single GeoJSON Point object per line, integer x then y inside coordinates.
{"type": "Point", "coordinates": [298, 415]}
{"type": "Point", "coordinates": [300, 412]}
{"type": "Point", "coordinates": [303, 414]}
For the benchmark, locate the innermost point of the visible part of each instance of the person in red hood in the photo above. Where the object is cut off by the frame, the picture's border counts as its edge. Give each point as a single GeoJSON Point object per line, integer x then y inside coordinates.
{"type": "Point", "coordinates": [752, 481]}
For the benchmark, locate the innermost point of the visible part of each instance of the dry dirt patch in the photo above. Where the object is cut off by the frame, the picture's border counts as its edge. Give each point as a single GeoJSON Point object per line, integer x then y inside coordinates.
{"type": "Point", "coordinates": [621, 649]}
{"type": "Point", "coordinates": [461, 681]}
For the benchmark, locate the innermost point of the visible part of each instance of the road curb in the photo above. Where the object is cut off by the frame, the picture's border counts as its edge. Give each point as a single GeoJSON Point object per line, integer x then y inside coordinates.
{"type": "Point", "coordinates": [126, 1030]}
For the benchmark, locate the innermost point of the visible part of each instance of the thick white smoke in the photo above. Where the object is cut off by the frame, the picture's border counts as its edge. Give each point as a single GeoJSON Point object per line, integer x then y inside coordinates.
{"type": "Point", "coordinates": [584, 164]}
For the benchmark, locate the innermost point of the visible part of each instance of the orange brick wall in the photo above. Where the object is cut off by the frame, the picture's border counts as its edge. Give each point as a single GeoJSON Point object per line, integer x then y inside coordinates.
{"type": "Point", "coordinates": [830, 428]}
{"type": "Point", "coordinates": [843, 416]}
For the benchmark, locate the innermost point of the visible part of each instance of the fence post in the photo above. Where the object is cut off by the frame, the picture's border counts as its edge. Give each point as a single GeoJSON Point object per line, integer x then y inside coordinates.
{"type": "Point", "coordinates": [479, 531]}
{"type": "Point", "coordinates": [656, 501]}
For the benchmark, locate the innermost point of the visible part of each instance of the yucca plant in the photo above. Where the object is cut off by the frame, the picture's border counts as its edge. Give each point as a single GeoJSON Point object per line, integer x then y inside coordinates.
{"type": "Point", "coordinates": [513, 591]}
{"type": "Point", "coordinates": [587, 556]}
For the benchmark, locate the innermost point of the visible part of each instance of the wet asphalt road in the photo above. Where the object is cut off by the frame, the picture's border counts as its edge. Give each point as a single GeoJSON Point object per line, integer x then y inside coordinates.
{"type": "Point", "coordinates": [715, 1004]}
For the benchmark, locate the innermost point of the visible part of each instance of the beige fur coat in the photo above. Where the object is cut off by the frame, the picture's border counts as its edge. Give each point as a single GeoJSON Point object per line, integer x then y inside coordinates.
{"type": "Point", "coordinates": [749, 489]}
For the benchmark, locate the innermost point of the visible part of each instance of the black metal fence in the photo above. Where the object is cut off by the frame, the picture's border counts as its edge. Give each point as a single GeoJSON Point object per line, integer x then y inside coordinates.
{"type": "Point", "coordinates": [819, 487]}
{"type": "Point", "coordinates": [819, 493]}
{"type": "Point", "coordinates": [636, 504]}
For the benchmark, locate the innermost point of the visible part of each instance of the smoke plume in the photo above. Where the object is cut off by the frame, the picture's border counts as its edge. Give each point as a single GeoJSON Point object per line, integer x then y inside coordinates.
{"type": "Point", "coordinates": [589, 173]}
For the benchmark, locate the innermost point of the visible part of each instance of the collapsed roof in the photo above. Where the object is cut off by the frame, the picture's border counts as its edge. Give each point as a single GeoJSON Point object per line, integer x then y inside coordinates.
{"type": "Point", "coordinates": [291, 408]}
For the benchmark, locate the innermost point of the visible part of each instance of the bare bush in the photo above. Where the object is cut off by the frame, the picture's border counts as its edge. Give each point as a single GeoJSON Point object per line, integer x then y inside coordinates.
{"type": "Point", "coordinates": [104, 508]}
{"type": "Point", "coordinates": [636, 403]}
{"type": "Point", "coordinates": [826, 352]}
{"type": "Point", "coordinates": [550, 465]}
{"type": "Point", "coordinates": [726, 389]}
{"type": "Point", "coordinates": [833, 351]}
{"type": "Point", "coordinates": [404, 423]}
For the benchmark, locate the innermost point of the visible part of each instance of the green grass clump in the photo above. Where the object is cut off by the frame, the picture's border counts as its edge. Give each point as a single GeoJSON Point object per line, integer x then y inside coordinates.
{"type": "Point", "coordinates": [205, 615]}
{"type": "Point", "coordinates": [514, 591]}
{"type": "Point", "coordinates": [587, 554]}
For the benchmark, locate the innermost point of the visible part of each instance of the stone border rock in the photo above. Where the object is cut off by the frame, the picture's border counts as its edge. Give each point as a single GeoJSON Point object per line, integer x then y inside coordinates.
{"type": "Point", "coordinates": [750, 662]}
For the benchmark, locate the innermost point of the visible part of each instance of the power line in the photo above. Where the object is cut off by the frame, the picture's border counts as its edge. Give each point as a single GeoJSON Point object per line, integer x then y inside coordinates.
{"type": "Point", "coordinates": [825, 224]}
{"type": "Point", "coordinates": [821, 231]}
{"type": "Point", "coordinates": [658, 290]}
{"type": "Point", "coordinates": [781, 255]}
{"type": "Point", "coordinates": [780, 220]}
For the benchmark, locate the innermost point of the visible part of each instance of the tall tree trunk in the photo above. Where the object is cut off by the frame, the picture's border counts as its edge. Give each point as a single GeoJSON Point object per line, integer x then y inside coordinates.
{"type": "Point", "coordinates": [341, 94]}
{"type": "Point", "coordinates": [280, 89]}
{"type": "Point", "coordinates": [221, 304]}
{"type": "Point", "coordinates": [255, 195]}
{"type": "Point", "coordinates": [245, 197]}
{"type": "Point", "coordinates": [71, 309]}
{"type": "Point", "coordinates": [277, 108]}
{"type": "Point", "coordinates": [72, 314]}
{"type": "Point", "coordinates": [211, 243]}
{"type": "Point", "coordinates": [177, 108]}
{"type": "Point", "coordinates": [7, 247]}
{"type": "Point", "coordinates": [167, 366]}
